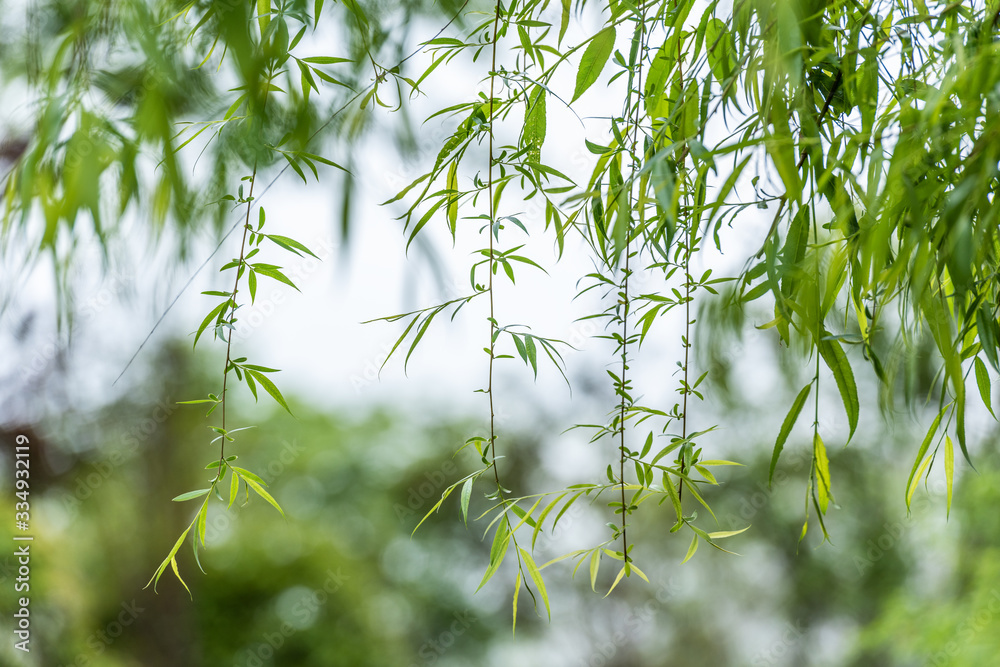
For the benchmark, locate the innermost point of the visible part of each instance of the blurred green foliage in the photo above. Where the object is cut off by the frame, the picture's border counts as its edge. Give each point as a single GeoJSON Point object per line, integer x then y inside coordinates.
{"type": "Point", "coordinates": [341, 581]}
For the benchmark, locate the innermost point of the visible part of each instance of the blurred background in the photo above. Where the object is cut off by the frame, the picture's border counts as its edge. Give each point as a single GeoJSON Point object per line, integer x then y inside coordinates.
{"type": "Point", "coordinates": [368, 450]}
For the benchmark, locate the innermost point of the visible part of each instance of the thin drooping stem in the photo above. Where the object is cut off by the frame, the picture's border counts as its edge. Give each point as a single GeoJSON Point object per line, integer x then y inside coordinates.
{"type": "Point", "coordinates": [687, 290]}
{"type": "Point", "coordinates": [240, 268]}
{"type": "Point", "coordinates": [621, 417]}
{"type": "Point", "coordinates": [626, 302]}
{"type": "Point", "coordinates": [493, 321]}
{"type": "Point", "coordinates": [229, 337]}
{"type": "Point", "coordinates": [489, 288]}
{"type": "Point", "coordinates": [687, 339]}
{"type": "Point", "coordinates": [687, 356]}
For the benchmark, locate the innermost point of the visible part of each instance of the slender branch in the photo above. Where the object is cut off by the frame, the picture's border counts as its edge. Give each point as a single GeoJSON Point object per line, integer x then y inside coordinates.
{"type": "Point", "coordinates": [687, 286]}
{"type": "Point", "coordinates": [627, 271]}
{"type": "Point", "coordinates": [621, 418]}
{"type": "Point", "coordinates": [240, 267]}
{"type": "Point", "coordinates": [232, 306]}
{"type": "Point", "coordinates": [493, 322]}
{"type": "Point", "coordinates": [489, 288]}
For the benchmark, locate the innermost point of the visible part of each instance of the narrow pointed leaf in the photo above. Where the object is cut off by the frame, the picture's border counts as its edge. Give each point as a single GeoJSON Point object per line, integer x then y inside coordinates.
{"type": "Point", "coordinates": [536, 576]}
{"type": "Point", "coordinates": [594, 58]}
{"type": "Point", "coordinates": [835, 358]}
{"type": "Point", "coordinates": [786, 429]}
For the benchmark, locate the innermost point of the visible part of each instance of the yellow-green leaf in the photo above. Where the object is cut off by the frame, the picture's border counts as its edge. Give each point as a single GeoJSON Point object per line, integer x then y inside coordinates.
{"type": "Point", "coordinates": [177, 573]}
{"type": "Point", "coordinates": [190, 495]}
{"type": "Point", "coordinates": [727, 533]}
{"type": "Point", "coordinates": [691, 549]}
{"type": "Point", "coordinates": [639, 572]}
{"type": "Point", "coordinates": [166, 561]}
{"type": "Point", "coordinates": [234, 488]}
{"type": "Point", "coordinates": [914, 472]}
{"type": "Point", "coordinates": [949, 467]}
{"type": "Point", "coordinates": [200, 523]}
{"type": "Point", "coordinates": [821, 466]}
{"type": "Point", "coordinates": [517, 589]}
{"type": "Point", "coordinates": [497, 552]}
{"type": "Point", "coordinates": [453, 197]}
{"type": "Point", "coordinates": [536, 576]}
{"type": "Point", "coordinates": [621, 573]}
{"type": "Point", "coordinates": [915, 481]}
{"type": "Point", "coordinates": [263, 14]}
{"type": "Point", "coordinates": [263, 494]}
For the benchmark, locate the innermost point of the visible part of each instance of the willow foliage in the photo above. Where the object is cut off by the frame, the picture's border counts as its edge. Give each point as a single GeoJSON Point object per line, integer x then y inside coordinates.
{"type": "Point", "coordinates": [869, 131]}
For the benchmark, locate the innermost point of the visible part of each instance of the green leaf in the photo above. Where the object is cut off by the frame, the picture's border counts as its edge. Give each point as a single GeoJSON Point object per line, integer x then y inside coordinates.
{"type": "Point", "coordinates": [534, 124]}
{"type": "Point", "coordinates": [466, 495]}
{"type": "Point", "coordinates": [721, 50]}
{"type": "Point", "coordinates": [295, 167]}
{"type": "Point", "coordinates": [197, 560]}
{"type": "Point", "coordinates": [177, 573]}
{"type": "Point", "coordinates": [262, 369]}
{"type": "Point", "coordinates": [529, 346]}
{"type": "Point", "coordinates": [525, 516]}
{"type": "Point", "coordinates": [270, 388]}
{"type": "Point", "coordinates": [595, 564]}
{"type": "Point", "coordinates": [216, 312]}
{"type": "Point", "coordinates": [621, 573]}
{"type": "Point", "coordinates": [821, 466]}
{"type": "Point", "coordinates": [675, 499]}
{"type": "Point", "coordinates": [542, 516]}
{"type": "Point", "coordinates": [453, 198]}
{"type": "Point", "coordinates": [517, 589]}
{"type": "Point", "coordinates": [949, 468]}
{"type": "Point", "coordinates": [691, 549]}
{"type": "Point", "coordinates": [985, 327]}
{"type": "Point", "coordinates": [786, 429]}
{"type": "Point", "coordinates": [564, 22]}
{"type": "Point", "coordinates": [252, 283]}
{"type": "Point", "coordinates": [836, 360]}
{"type": "Point", "coordinates": [985, 386]}
{"type": "Point", "coordinates": [200, 524]}
{"type": "Point", "coordinates": [594, 58]}
{"type": "Point", "coordinates": [320, 158]}
{"type": "Point", "coordinates": [536, 576]}
{"type": "Point", "coordinates": [914, 476]}
{"type": "Point", "coordinates": [190, 495]}
{"type": "Point", "coordinates": [275, 274]}
{"type": "Point", "coordinates": [169, 560]}
{"type": "Point", "coordinates": [326, 60]}
{"type": "Point", "coordinates": [243, 472]}
{"type": "Point", "coordinates": [501, 539]}
{"type": "Point", "coordinates": [958, 384]}
{"type": "Point", "coordinates": [915, 481]}
{"type": "Point", "coordinates": [252, 385]}
{"type": "Point", "coordinates": [263, 494]}
{"type": "Point", "coordinates": [234, 489]}
{"type": "Point", "coordinates": [719, 535]}
{"type": "Point", "coordinates": [263, 14]}
{"type": "Point", "coordinates": [290, 244]}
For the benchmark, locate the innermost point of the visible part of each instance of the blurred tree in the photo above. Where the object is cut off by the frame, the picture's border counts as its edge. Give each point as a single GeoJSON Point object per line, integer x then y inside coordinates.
{"type": "Point", "coordinates": [871, 129]}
